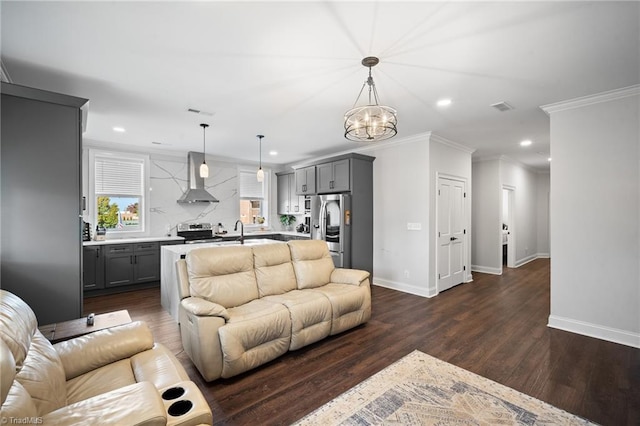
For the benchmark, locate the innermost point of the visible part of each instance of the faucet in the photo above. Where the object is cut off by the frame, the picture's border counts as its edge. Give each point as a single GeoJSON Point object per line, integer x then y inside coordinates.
{"type": "Point", "coordinates": [235, 228]}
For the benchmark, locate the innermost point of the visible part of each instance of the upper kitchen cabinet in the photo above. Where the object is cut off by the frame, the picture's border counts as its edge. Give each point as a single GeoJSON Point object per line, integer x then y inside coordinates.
{"type": "Point", "coordinates": [41, 200]}
{"type": "Point", "coordinates": [288, 200]}
{"type": "Point", "coordinates": [306, 181]}
{"type": "Point", "coordinates": [333, 176]}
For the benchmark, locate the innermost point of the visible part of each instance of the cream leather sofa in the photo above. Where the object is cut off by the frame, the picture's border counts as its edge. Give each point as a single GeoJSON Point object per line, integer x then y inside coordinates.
{"type": "Point", "coordinates": [243, 306]}
{"type": "Point", "coordinates": [116, 376]}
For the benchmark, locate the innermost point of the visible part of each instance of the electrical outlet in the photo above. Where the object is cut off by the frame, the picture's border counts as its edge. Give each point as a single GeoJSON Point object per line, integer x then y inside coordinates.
{"type": "Point", "coordinates": [406, 273]}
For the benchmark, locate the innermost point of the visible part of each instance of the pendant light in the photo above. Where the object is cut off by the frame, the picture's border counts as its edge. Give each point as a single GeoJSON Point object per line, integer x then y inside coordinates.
{"type": "Point", "coordinates": [372, 122]}
{"type": "Point", "coordinates": [204, 169]}
{"type": "Point", "coordinates": [260, 174]}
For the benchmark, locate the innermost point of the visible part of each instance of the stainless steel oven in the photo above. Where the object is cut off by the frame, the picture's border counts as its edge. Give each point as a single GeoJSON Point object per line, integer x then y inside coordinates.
{"type": "Point", "coordinates": [194, 233]}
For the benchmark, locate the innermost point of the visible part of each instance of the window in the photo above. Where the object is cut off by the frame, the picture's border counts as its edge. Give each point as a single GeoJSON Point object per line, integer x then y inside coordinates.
{"type": "Point", "coordinates": [253, 199]}
{"type": "Point", "coordinates": [119, 191]}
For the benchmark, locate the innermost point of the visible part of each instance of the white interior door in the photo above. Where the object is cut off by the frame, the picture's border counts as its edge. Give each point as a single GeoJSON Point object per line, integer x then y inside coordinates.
{"type": "Point", "coordinates": [508, 219]}
{"type": "Point", "coordinates": [451, 233]}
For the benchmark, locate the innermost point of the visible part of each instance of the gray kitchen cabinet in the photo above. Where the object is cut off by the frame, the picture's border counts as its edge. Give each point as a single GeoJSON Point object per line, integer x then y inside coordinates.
{"type": "Point", "coordinates": [289, 202]}
{"type": "Point", "coordinates": [146, 262]}
{"type": "Point", "coordinates": [306, 180]}
{"type": "Point", "coordinates": [127, 264]}
{"type": "Point", "coordinates": [92, 268]}
{"type": "Point", "coordinates": [333, 177]}
{"type": "Point", "coordinates": [118, 265]}
{"type": "Point", "coordinates": [41, 183]}
{"type": "Point", "coordinates": [113, 268]}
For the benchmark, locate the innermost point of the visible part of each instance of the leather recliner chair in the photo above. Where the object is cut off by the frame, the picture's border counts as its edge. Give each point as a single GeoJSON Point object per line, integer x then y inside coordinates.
{"type": "Point", "coordinates": [115, 376]}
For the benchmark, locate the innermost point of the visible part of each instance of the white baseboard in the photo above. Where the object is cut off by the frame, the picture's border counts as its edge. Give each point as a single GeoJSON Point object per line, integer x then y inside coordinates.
{"type": "Point", "coordinates": [486, 270]}
{"type": "Point", "coordinates": [526, 260]}
{"type": "Point", "coordinates": [403, 287]}
{"type": "Point", "coordinates": [601, 332]}
{"type": "Point", "coordinates": [519, 263]}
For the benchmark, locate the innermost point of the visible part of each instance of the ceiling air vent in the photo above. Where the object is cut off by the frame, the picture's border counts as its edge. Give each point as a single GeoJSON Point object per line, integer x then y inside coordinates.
{"type": "Point", "coordinates": [502, 106]}
{"type": "Point", "coordinates": [197, 111]}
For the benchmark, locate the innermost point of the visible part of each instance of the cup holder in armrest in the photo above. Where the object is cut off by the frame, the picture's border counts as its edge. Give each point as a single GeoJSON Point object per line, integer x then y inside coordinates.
{"type": "Point", "coordinates": [180, 408]}
{"type": "Point", "coordinates": [173, 393]}
{"type": "Point", "coordinates": [185, 405]}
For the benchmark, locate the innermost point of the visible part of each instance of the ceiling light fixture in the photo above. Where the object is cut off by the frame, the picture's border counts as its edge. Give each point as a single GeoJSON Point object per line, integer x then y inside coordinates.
{"type": "Point", "coordinates": [204, 169]}
{"type": "Point", "coordinates": [526, 143]}
{"type": "Point", "coordinates": [372, 122]}
{"type": "Point", "coordinates": [273, 153]}
{"type": "Point", "coordinates": [444, 102]}
{"type": "Point", "coordinates": [260, 174]}
{"type": "Point", "coordinates": [119, 129]}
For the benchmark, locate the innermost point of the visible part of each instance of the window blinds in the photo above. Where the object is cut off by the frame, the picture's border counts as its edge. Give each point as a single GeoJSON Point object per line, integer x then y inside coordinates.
{"type": "Point", "coordinates": [118, 177]}
{"type": "Point", "coordinates": [250, 187]}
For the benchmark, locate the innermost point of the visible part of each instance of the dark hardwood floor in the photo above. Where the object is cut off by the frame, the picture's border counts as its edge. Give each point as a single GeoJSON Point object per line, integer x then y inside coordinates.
{"type": "Point", "coordinates": [495, 326]}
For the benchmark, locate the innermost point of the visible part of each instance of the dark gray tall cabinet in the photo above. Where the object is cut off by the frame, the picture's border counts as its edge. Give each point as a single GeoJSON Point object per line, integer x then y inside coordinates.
{"type": "Point", "coordinates": [41, 200]}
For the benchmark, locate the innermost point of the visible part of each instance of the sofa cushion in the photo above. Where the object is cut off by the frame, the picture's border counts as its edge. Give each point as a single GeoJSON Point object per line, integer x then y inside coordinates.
{"type": "Point", "coordinates": [222, 275]}
{"type": "Point", "coordinates": [91, 351]}
{"type": "Point", "coordinates": [158, 366]}
{"type": "Point", "coordinates": [42, 376]}
{"type": "Point", "coordinates": [17, 325]}
{"type": "Point", "coordinates": [274, 271]}
{"type": "Point", "coordinates": [312, 263]}
{"type": "Point", "coordinates": [310, 313]}
{"type": "Point", "coordinates": [256, 333]}
{"type": "Point", "coordinates": [351, 305]}
{"type": "Point", "coordinates": [102, 380]}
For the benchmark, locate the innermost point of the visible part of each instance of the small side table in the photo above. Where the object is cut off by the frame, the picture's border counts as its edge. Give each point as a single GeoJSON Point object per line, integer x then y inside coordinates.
{"type": "Point", "coordinates": [69, 329]}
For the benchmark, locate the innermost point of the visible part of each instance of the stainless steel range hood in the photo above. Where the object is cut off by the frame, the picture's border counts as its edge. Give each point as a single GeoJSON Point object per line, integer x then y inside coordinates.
{"type": "Point", "coordinates": [196, 192]}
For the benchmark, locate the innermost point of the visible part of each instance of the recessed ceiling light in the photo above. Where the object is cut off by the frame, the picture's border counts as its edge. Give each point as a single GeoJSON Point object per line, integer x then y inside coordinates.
{"type": "Point", "coordinates": [526, 143]}
{"type": "Point", "coordinates": [119, 129]}
{"type": "Point", "coordinates": [444, 102]}
{"type": "Point", "coordinates": [273, 153]}
{"type": "Point", "coordinates": [549, 159]}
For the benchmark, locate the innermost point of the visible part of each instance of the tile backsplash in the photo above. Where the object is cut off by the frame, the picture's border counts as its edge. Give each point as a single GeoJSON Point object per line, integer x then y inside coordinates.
{"type": "Point", "coordinates": [168, 183]}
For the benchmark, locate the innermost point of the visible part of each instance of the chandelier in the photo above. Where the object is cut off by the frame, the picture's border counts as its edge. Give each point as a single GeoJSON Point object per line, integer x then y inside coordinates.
{"type": "Point", "coordinates": [372, 122]}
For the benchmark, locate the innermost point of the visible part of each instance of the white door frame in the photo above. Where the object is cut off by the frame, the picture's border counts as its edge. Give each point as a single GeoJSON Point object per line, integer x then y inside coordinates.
{"type": "Point", "coordinates": [511, 237]}
{"type": "Point", "coordinates": [467, 225]}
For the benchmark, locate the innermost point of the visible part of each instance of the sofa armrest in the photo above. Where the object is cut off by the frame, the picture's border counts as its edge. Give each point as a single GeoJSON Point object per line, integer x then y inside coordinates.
{"type": "Point", "coordinates": [349, 276]}
{"type": "Point", "coordinates": [92, 351]}
{"type": "Point", "coordinates": [137, 404]}
{"type": "Point", "coordinates": [202, 307]}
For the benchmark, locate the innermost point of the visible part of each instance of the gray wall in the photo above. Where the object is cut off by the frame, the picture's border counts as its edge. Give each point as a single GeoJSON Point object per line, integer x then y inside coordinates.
{"type": "Point", "coordinates": [595, 216]}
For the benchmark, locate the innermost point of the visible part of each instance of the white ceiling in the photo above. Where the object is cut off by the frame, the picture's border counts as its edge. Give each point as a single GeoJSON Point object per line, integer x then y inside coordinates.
{"type": "Point", "coordinates": [289, 70]}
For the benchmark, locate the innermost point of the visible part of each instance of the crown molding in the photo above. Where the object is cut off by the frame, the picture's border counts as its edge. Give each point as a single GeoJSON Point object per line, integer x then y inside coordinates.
{"type": "Point", "coordinates": [160, 154]}
{"type": "Point", "coordinates": [608, 96]}
{"type": "Point", "coordinates": [444, 141]}
{"type": "Point", "coordinates": [363, 149]}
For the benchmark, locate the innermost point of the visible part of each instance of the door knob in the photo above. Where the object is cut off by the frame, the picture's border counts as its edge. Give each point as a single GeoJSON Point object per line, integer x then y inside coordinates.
{"type": "Point", "coordinates": [453, 238]}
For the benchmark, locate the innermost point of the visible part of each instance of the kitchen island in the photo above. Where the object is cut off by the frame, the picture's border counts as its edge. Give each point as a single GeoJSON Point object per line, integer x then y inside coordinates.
{"type": "Point", "coordinates": [169, 255]}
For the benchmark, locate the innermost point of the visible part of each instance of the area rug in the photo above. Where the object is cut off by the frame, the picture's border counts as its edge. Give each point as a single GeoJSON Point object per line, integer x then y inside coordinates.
{"type": "Point", "coordinates": [422, 390]}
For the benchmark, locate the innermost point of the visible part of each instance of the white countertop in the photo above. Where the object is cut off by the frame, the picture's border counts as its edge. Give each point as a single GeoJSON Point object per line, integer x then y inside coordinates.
{"type": "Point", "coordinates": [251, 233]}
{"type": "Point", "coordinates": [152, 239]}
{"type": "Point", "coordinates": [181, 249]}
{"type": "Point", "coordinates": [131, 240]}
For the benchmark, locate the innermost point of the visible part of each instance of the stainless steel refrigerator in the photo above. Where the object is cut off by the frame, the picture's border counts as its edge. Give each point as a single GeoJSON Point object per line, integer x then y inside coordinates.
{"type": "Point", "coordinates": [331, 222]}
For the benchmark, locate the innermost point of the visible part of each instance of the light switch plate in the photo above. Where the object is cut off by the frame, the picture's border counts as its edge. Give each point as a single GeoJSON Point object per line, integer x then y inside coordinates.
{"type": "Point", "coordinates": [412, 226]}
